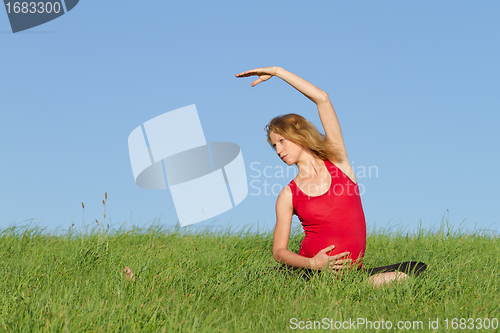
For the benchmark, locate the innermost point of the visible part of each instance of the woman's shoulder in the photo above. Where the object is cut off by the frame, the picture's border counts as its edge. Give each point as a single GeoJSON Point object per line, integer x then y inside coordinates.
{"type": "Point", "coordinates": [286, 191]}
{"type": "Point", "coordinates": [285, 198]}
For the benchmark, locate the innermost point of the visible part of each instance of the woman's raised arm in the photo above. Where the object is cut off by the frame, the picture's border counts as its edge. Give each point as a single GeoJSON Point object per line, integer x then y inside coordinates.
{"type": "Point", "coordinates": [319, 97]}
{"type": "Point", "coordinates": [309, 90]}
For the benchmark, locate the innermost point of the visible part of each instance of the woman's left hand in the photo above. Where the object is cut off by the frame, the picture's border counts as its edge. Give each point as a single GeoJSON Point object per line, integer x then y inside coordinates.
{"type": "Point", "coordinates": [264, 74]}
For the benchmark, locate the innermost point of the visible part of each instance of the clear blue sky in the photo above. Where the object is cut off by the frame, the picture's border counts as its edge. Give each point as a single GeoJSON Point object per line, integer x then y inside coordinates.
{"type": "Point", "coordinates": [415, 85]}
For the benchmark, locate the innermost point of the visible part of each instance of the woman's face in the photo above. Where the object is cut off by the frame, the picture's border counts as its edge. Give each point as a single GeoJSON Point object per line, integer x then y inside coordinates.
{"type": "Point", "coordinates": [286, 150]}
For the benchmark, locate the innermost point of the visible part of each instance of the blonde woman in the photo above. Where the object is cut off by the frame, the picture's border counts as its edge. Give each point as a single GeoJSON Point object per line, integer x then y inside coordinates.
{"type": "Point", "coordinates": [324, 194]}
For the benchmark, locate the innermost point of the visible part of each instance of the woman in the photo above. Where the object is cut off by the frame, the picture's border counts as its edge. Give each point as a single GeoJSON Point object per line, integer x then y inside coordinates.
{"type": "Point", "coordinates": [324, 194]}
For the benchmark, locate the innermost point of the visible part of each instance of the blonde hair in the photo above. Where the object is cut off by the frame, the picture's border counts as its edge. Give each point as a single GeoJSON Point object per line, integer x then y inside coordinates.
{"type": "Point", "coordinates": [300, 131]}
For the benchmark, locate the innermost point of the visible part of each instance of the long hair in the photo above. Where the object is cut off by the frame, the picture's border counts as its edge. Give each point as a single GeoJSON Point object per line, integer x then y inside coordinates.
{"type": "Point", "coordinates": [300, 131]}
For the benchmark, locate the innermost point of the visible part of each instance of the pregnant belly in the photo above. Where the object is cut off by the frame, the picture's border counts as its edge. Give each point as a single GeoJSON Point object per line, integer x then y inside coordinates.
{"type": "Point", "coordinates": [355, 245]}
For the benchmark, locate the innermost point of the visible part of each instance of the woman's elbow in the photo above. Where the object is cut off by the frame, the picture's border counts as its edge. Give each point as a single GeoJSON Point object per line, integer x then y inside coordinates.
{"type": "Point", "coordinates": [324, 97]}
{"type": "Point", "coordinates": [277, 254]}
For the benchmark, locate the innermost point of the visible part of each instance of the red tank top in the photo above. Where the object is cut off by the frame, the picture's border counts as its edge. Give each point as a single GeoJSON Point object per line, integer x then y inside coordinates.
{"type": "Point", "coordinates": [333, 218]}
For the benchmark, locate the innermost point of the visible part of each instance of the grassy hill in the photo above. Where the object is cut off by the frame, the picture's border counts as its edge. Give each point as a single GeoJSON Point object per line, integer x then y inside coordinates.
{"type": "Point", "coordinates": [227, 282]}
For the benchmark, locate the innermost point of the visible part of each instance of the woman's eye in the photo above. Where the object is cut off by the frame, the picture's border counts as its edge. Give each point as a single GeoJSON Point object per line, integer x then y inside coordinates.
{"type": "Point", "coordinates": [282, 140]}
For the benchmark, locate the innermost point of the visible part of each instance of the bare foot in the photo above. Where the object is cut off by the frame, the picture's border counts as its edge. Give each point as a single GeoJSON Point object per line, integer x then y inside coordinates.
{"type": "Point", "coordinates": [129, 275]}
{"type": "Point", "coordinates": [386, 278]}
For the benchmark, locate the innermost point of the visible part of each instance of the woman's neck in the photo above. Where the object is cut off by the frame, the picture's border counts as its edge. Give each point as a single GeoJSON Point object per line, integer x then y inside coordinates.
{"type": "Point", "coordinates": [310, 166]}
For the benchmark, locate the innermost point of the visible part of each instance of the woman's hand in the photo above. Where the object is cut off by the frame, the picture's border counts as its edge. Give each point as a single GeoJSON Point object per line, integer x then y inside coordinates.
{"type": "Point", "coordinates": [264, 74]}
{"type": "Point", "coordinates": [331, 263]}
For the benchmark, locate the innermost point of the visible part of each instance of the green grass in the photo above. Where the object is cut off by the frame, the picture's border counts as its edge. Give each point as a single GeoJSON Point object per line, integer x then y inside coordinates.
{"type": "Point", "coordinates": [226, 282]}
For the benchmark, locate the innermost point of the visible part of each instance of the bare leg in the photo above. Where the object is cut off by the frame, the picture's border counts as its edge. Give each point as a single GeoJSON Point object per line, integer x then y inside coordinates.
{"type": "Point", "coordinates": [381, 279]}
{"type": "Point", "coordinates": [129, 275]}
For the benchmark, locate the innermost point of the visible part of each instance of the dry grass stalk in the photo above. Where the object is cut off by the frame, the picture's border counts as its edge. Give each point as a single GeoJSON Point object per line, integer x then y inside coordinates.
{"type": "Point", "coordinates": [83, 213]}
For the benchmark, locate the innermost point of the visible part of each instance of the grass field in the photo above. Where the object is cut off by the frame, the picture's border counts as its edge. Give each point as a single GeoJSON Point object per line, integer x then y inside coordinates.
{"type": "Point", "coordinates": [226, 282]}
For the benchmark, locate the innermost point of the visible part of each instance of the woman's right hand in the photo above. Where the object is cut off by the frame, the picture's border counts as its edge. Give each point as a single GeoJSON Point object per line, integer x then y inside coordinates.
{"type": "Point", "coordinates": [264, 74]}
{"type": "Point", "coordinates": [331, 263]}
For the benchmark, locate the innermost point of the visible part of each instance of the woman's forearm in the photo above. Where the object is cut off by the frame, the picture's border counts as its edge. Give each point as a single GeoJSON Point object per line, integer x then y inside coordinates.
{"type": "Point", "coordinates": [308, 89]}
{"type": "Point", "coordinates": [293, 259]}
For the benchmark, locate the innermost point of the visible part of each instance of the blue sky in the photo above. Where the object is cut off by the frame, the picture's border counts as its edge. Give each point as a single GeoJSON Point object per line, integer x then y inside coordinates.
{"type": "Point", "coordinates": [415, 86]}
